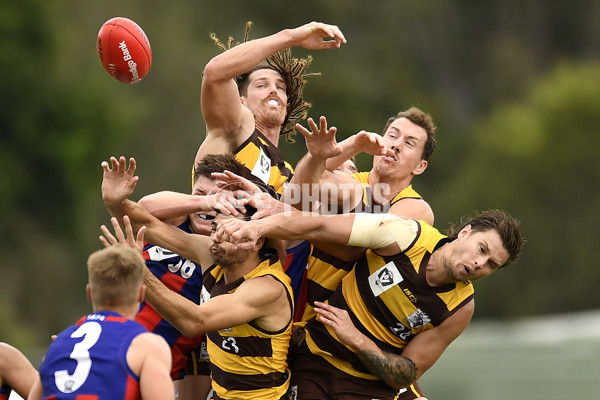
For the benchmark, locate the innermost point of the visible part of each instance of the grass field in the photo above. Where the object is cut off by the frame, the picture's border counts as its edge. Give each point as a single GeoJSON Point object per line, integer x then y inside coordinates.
{"type": "Point", "coordinates": [538, 358]}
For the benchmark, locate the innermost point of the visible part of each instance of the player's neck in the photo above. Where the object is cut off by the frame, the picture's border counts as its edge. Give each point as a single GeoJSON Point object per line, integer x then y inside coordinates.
{"type": "Point", "coordinates": [435, 272]}
{"type": "Point", "coordinates": [270, 132]}
{"type": "Point", "coordinates": [235, 271]}
{"type": "Point", "coordinates": [392, 186]}
{"type": "Point", "coordinates": [128, 312]}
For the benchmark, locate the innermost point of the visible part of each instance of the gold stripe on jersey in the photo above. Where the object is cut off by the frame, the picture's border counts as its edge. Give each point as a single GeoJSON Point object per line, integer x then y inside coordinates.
{"type": "Point", "coordinates": [390, 301]}
{"type": "Point", "coordinates": [406, 193]}
{"type": "Point", "coordinates": [248, 362]}
{"type": "Point", "coordinates": [324, 271]}
{"type": "Point", "coordinates": [323, 275]}
{"type": "Point", "coordinates": [264, 163]}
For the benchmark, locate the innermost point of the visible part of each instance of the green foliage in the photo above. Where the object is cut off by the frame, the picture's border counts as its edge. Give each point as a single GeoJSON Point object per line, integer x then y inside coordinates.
{"type": "Point", "coordinates": [538, 158]}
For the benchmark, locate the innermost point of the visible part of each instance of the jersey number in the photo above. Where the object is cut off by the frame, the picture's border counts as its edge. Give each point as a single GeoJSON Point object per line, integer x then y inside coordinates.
{"type": "Point", "coordinates": [230, 344]}
{"type": "Point", "coordinates": [66, 382]}
{"type": "Point", "coordinates": [185, 267]}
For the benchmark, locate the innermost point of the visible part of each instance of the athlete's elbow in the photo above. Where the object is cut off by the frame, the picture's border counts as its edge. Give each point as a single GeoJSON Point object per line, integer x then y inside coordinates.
{"type": "Point", "coordinates": [214, 71]}
{"type": "Point", "coordinates": [191, 330]}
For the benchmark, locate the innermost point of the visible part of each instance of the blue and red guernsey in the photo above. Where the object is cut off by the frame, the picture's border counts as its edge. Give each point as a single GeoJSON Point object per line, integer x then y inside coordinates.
{"type": "Point", "coordinates": [5, 392]}
{"type": "Point", "coordinates": [181, 276]}
{"type": "Point", "coordinates": [88, 360]}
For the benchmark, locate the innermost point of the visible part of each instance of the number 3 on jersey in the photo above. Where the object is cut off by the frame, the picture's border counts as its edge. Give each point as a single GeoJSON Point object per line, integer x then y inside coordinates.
{"type": "Point", "coordinates": [67, 383]}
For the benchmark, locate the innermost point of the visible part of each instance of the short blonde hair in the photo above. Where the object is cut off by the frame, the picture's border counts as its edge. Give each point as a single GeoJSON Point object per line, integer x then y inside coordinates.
{"type": "Point", "coordinates": [115, 275]}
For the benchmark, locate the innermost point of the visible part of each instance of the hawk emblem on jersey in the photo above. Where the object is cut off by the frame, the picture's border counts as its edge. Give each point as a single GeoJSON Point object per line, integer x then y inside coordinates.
{"type": "Point", "coordinates": [418, 319]}
{"type": "Point", "coordinates": [384, 278]}
{"type": "Point", "coordinates": [157, 253]}
{"type": "Point", "coordinates": [262, 168]}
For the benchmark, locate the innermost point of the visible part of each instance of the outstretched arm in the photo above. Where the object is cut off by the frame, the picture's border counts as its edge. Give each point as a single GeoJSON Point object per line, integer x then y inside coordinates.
{"type": "Point", "coordinates": [292, 225]}
{"type": "Point", "coordinates": [385, 233]}
{"type": "Point", "coordinates": [170, 206]}
{"type": "Point", "coordinates": [311, 178]}
{"type": "Point", "coordinates": [254, 299]}
{"type": "Point", "coordinates": [117, 184]}
{"type": "Point", "coordinates": [362, 142]}
{"type": "Point", "coordinates": [221, 107]}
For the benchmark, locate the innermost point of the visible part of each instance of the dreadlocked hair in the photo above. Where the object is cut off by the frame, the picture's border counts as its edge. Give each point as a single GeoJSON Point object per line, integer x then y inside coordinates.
{"type": "Point", "coordinates": [293, 71]}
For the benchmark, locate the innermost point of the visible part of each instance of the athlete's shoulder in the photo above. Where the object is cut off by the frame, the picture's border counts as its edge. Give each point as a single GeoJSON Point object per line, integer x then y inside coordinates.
{"type": "Point", "coordinates": [147, 344]}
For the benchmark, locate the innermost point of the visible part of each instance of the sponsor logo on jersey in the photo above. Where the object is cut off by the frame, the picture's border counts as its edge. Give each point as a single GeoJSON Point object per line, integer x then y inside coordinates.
{"type": "Point", "coordinates": [410, 296]}
{"type": "Point", "coordinates": [384, 278]}
{"type": "Point", "coordinates": [157, 253]}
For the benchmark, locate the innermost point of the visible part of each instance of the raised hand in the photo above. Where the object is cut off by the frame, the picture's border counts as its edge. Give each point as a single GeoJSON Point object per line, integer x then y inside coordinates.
{"type": "Point", "coordinates": [233, 182]}
{"type": "Point", "coordinates": [128, 239]}
{"type": "Point", "coordinates": [320, 140]}
{"type": "Point", "coordinates": [371, 143]}
{"type": "Point", "coordinates": [241, 233]}
{"type": "Point", "coordinates": [227, 202]}
{"type": "Point", "coordinates": [317, 36]}
{"type": "Point", "coordinates": [118, 180]}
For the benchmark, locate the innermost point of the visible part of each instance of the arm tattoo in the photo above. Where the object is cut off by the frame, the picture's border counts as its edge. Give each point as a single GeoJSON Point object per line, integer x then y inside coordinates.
{"type": "Point", "coordinates": [396, 371]}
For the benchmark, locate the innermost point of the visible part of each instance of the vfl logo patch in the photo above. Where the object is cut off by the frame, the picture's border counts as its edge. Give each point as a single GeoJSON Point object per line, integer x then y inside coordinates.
{"type": "Point", "coordinates": [384, 278]}
{"type": "Point", "coordinates": [262, 168]}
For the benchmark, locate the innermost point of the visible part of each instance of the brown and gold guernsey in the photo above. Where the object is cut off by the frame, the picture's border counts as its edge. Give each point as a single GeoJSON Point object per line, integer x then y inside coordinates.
{"type": "Point", "coordinates": [390, 301]}
{"type": "Point", "coordinates": [264, 164]}
{"type": "Point", "coordinates": [369, 200]}
{"type": "Point", "coordinates": [325, 271]}
{"type": "Point", "coordinates": [247, 362]}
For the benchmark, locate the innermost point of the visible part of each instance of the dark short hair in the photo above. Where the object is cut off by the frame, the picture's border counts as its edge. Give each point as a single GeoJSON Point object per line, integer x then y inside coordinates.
{"type": "Point", "coordinates": [422, 119]}
{"type": "Point", "coordinates": [217, 163]}
{"type": "Point", "coordinates": [506, 225]}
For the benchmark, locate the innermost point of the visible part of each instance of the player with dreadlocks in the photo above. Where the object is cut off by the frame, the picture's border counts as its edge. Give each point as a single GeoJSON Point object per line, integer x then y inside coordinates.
{"type": "Point", "coordinates": [252, 94]}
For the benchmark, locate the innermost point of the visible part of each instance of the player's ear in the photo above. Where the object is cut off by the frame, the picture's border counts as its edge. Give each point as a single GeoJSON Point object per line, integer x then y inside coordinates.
{"type": "Point", "coordinates": [142, 294]}
{"type": "Point", "coordinates": [259, 243]}
{"type": "Point", "coordinates": [88, 292]}
{"type": "Point", "coordinates": [421, 167]}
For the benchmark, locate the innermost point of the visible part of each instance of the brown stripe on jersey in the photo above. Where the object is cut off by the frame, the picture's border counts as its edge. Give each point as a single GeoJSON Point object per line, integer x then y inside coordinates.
{"type": "Point", "coordinates": [277, 161]}
{"type": "Point", "coordinates": [375, 306]}
{"type": "Point", "coordinates": [338, 300]}
{"type": "Point", "coordinates": [233, 381]}
{"type": "Point", "coordinates": [208, 280]}
{"type": "Point", "coordinates": [222, 288]}
{"type": "Point", "coordinates": [316, 292]}
{"type": "Point", "coordinates": [449, 313]}
{"type": "Point", "coordinates": [250, 346]}
{"type": "Point", "coordinates": [327, 343]}
{"type": "Point", "coordinates": [331, 260]}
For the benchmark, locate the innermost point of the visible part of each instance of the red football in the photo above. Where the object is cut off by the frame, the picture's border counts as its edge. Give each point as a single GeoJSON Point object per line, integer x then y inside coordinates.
{"type": "Point", "coordinates": [124, 50]}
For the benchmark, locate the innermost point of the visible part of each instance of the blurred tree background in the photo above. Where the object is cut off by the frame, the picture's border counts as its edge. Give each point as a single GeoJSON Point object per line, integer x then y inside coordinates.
{"type": "Point", "coordinates": [513, 86]}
